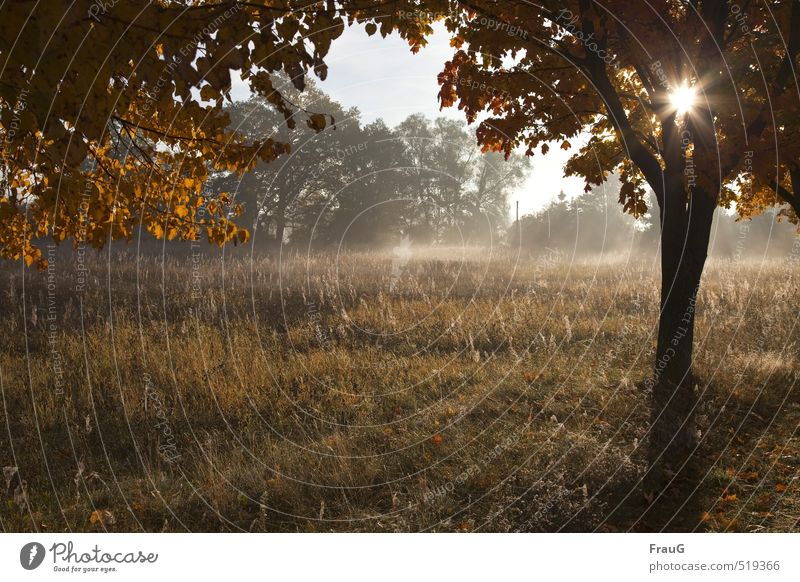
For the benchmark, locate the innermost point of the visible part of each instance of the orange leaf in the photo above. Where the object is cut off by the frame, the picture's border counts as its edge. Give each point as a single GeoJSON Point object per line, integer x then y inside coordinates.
{"type": "Point", "coordinates": [102, 516]}
{"type": "Point", "coordinates": [316, 122]}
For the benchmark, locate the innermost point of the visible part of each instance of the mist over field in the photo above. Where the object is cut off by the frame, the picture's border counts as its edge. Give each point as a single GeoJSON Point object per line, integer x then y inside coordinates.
{"type": "Point", "coordinates": [420, 389]}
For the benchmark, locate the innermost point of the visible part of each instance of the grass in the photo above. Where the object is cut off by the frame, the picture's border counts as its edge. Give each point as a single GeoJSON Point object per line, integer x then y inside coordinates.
{"type": "Point", "coordinates": [482, 393]}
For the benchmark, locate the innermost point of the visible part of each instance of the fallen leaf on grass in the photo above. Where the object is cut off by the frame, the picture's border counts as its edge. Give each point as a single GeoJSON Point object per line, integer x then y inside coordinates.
{"type": "Point", "coordinates": [102, 517]}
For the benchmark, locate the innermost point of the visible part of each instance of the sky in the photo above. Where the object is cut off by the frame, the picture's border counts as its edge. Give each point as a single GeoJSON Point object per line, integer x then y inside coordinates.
{"type": "Point", "coordinates": [384, 79]}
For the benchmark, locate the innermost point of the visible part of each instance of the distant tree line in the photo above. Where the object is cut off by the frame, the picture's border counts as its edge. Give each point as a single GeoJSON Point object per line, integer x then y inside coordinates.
{"type": "Point", "coordinates": [594, 224]}
{"type": "Point", "coordinates": [356, 185]}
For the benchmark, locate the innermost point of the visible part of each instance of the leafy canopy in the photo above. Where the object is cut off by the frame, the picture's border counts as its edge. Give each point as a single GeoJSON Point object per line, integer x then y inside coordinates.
{"type": "Point", "coordinates": [112, 113]}
{"type": "Point", "coordinates": [611, 71]}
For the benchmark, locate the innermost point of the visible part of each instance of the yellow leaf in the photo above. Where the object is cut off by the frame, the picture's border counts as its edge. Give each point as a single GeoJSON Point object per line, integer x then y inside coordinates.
{"type": "Point", "coordinates": [181, 211]}
{"type": "Point", "coordinates": [102, 517]}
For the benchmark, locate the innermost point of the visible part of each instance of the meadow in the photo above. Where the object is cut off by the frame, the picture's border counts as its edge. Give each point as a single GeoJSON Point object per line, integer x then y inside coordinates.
{"type": "Point", "coordinates": [427, 390]}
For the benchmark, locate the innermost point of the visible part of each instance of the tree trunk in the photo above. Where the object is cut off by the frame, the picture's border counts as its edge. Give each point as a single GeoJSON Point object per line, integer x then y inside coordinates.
{"type": "Point", "coordinates": [280, 229]}
{"type": "Point", "coordinates": [685, 232]}
{"type": "Point", "coordinates": [280, 224]}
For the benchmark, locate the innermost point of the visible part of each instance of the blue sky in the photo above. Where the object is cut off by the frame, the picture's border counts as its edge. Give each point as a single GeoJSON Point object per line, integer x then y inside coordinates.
{"type": "Point", "coordinates": [385, 80]}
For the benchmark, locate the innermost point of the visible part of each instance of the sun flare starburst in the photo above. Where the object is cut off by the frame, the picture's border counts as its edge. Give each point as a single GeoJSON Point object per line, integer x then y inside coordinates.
{"type": "Point", "coordinates": [683, 99]}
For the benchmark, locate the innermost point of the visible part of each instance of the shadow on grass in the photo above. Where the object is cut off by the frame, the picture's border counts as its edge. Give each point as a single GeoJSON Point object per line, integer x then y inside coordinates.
{"type": "Point", "coordinates": [739, 428]}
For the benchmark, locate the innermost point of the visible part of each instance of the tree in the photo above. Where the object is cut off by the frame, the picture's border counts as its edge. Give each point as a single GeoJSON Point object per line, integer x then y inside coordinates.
{"type": "Point", "coordinates": [688, 98]}
{"type": "Point", "coordinates": [462, 193]}
{"type": "Point", "coordinates": [589, 225]}
{"type": "Point", "coordinates": [274, 194]}
{"type": "Point", "coordinates": [418, 140]}
{"type": "Point", "coordinates": [375, 197]}
{"type": "Point", "coordinates": [486, 201]}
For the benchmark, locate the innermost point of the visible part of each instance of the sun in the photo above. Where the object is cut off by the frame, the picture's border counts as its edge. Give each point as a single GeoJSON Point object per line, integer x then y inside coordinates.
{"type": "Point", "coordinates": [683, 99]}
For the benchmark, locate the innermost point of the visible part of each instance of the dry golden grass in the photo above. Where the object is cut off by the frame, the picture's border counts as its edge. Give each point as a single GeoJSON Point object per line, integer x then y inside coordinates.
{"type": "Point", "coordinates": [483, 392]}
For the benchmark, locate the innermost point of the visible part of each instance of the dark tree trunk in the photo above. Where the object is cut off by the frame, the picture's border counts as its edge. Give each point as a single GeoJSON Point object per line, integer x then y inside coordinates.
{"type": "Point", "coordinates": [685, 231]}
{"type": "Point", "coordinates": [280, 229]}
{"type": "Point", "coordinates": [280, 224]}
